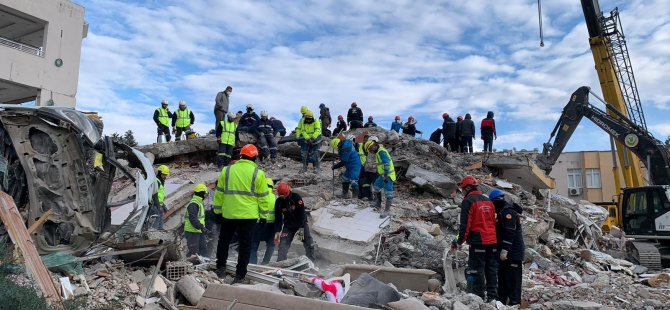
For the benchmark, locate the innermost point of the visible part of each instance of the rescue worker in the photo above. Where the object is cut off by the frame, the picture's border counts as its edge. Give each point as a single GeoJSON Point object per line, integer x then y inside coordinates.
{"type": "Point", "coordinates": [266, 138]}
{"type": "Point", "coordinates": [240, 191]}
{"type": "Point", "coordinates": [158, 207]}
{"type": "Point", "coordinates": [385, 175]}
{"type": "Point", "coordinates": [211, 221]}
{"type": "Point", "coordinates": [227, 131]}
{"type": "Point", "coordinates": [467, 130]}
{"type": "Point", "coordinates": [488, 132]}
{"type": "Point", "coordinates": [298, 129]}
{"type": "Point", "coordinates": [397, 124]}
{"type": "Point", "coordinates": [341, 126]}
{"type": "Point", "coordinates": [221, 106]}
{"type": "Point", "coordinates": [368, 171]}
{"type": "Point", "coordinates": [238, 117]}
{"type": "Point", "coordinates": [370, 122]}
{"type": "Point", "coordinates": [248, 120]}
{"type": "Point", "coordinates": [182, 119]}
{"type": "Point", "coordinates": [348, 158]}
{"type": "Point", "coordinates": [511, 248]}
{"type": "Point", "coordinates": [355, 116]}
{"type": "Point", "coordinates": [310, 133]}
{"type": "Point", "coordinates": [436, 135]}
{"type": "Point", "coordinates": [277, 127]}
{"type": "Point", "coordinates": [326, 120]}
{"type": "Point", "coordinates": [449, 133]}
{"type": "Point", "coordinates": [162, 117]}
{"type": "Point", "coordinates": [459, 119]}
{"type": "Point", "coordinates": [409, 128]}
{"type": "Point", "coordinates": [478, 229]}
{"type": "Point", "coordinates": [265, 228]}
{"type": "Point", "coordinates": [291, 222]}
{"type": "Point", "coordinates": [195, 231]}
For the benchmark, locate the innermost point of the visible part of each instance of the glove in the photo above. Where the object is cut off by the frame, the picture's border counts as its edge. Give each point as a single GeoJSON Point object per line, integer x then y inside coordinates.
{"type": "Point", "coordinates": [503, 255]}
{"type": "Point", "coordinates": [277, 238]}
{"type": "Point", "coordinates": [300, 234]}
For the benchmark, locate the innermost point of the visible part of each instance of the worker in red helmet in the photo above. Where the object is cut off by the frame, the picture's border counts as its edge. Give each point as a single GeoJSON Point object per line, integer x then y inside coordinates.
{"type": "Point", "coordinates": [291, 221]}
{"type": "Point", "coordinates": [397, 124]}
{"type": "Point", "coordinates": [355, 116]}
{"type": "Point", "coordinates": [409, 128]}
{"type": "Point", "coordinates": [487, 131]}
{"type": "Point", "coordinates": [370, 122]}
{"type": "Point", "coordinates": [340, 127]}
{"type": "Point", "coordinates": [241, 191]}
{"type": "Point", "coordinates": [449, 133]}
{"type": "Point", "coordinates": [478, 229]}
{"type": "Point", "coordinates": [467, 130]}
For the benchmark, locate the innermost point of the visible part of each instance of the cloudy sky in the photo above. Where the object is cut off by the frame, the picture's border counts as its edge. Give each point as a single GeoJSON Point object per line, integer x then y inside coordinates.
{"type": "Point", "coordinates": [393, 57]}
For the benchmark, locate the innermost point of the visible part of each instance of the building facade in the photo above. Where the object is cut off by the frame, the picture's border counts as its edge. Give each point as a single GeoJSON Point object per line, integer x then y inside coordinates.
{"type": "Point", "coordinates": [40, 50]}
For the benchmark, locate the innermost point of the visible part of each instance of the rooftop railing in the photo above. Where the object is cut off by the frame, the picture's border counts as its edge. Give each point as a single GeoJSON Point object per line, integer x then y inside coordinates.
{"type": "Point", "coordinates": [37, 51]}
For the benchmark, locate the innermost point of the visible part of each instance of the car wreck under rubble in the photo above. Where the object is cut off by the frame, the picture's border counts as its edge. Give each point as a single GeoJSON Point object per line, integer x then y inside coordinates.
{"type": "Point", "coordinates": [56, 158]}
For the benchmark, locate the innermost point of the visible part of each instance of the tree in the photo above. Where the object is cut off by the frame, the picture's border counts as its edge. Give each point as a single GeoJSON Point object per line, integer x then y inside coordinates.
{"type": "Point", "coordinates": [129, 138]}
{"type": "Point", "coordinates": [667, 142]}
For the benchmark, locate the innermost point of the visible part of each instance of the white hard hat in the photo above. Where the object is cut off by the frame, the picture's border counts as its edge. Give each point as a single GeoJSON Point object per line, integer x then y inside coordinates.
{"type": "Point", "coordinates": [164, 101]}
{"type": "Point", "coordinates": [350, 137]}
{"type": "Point", "coordinates": [250, 106]}
{"type": "Point", "coordinates": [264, 113]}
{"type": "Point", "coordinates": [373, 138]}
{"type": "Point", "coordinates": [182, 103]}
{"type": "Point", "coordinates": [231, 115]}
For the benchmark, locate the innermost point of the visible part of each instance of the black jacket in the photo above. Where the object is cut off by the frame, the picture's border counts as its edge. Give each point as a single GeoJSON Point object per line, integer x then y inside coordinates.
{"type": "Point", "coordinates": [324, 117]}
{"type": "Point", "coordinates": [278, 127]}
{"type": "Point", "coordinates": [370, 124]}
{"type": "Point", "coordinates": [435, 136]}
{"type": "Point", "coordinates": [410, 129]}
{"type": "Point", "coordinates": [289, 212]}
{"type": "Point", "coordinates": [508, 229]}
{"type": "Point", "coordinates": [355, 114]}
{"type": "Point", "coordinates": [449, 128]}
{"type": "Point", "coordinates": [264, 127]}
{"type": "Point", "coordinates": [341, 127]}
{"type": "Point", "coordinates": [193, 209]}
{"type": "Point", "coordinates": [467, 127]}
{"type": "Point", "coordinates": [249, 119]}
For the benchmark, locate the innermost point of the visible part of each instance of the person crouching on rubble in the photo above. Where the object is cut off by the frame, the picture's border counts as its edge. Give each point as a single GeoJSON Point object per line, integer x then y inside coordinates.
{"type": "Point", "coordinates": [511, 247]}
{"type": "Point", "coordinates": [195, 231]}
{"type": "Point", "coordinates": [478, 229]}
{"type": "Point", "coordinates": [291, 221]}
{"type": "Point", "coordinates": [348, 158]}
{"type": "Point", "coordinates": [158, 207]}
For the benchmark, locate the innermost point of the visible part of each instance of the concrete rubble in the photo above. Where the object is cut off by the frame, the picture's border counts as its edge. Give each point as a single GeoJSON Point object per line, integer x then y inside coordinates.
{"type": "Point", "coordinates": [569, 262]}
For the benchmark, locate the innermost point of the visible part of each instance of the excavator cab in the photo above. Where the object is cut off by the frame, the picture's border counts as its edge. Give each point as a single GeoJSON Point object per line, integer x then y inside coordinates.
{"type": "Point", "coordinates": [646, 210]}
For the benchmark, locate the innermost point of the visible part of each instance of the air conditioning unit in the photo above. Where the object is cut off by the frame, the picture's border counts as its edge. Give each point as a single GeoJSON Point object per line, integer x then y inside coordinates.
{"type": "Point", "coordinates": [575, 191]}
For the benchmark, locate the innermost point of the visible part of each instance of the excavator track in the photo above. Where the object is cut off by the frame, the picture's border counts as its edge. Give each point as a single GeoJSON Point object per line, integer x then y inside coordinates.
{"type": "Point", "coordinates": [645, 254]}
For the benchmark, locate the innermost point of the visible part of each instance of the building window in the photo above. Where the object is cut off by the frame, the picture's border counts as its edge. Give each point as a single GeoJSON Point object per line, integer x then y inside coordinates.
{"type": "Point", "coordinates": [574, 178]}
{"type": "Point", "coordinates": [593, 178]}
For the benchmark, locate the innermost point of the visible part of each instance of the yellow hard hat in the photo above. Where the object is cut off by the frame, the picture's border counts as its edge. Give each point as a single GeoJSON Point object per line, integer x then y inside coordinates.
{"type": "Point", "coordinates": [303, 110]}
{"type": "Point", "coordinates": [270, 182]}
{"type": "Point", "coordinates": [368, 144]}
{"type": "Point", "coordinates": [309, 114]}
{"type": "Point", "coordinates": [335, 143]}
{"type": "Point", "coordinates": [200, 188]}
{"type": "Point", "coordinates": [164, 170]}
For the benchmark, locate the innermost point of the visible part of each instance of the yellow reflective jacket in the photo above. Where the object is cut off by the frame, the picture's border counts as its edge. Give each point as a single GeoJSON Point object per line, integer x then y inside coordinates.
{"type": "Point", "coordinates": [228, 132]}
{"type": "Point", "coordinates": [385, 163]}
{"type": "Point", "coordinates": [298, 130]}
{"type": "Point", "coordinates": [183, 118]}
{"type": "Point", "coordinates": [161, 191]}
{"type": "Point", "coordinates": [201, 216]}
{"type": "Point", "coordinates": [267, 211]}
{"type": "Point", "coordinates": [312, 130]}
{"type": "Point", "coordinates": [240, 191]}
{"type": "Point", "coordinates": [361, 153]}
{"type": "Point", "coordinates": [163, 116]}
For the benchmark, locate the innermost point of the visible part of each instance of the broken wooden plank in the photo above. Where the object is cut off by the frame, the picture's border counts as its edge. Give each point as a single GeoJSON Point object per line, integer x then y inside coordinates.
{"type": "Point", "coordinates": [40, 221]}
{"type": "Point", "coordinates": [19, 234]}
{"type": "Point", "coordinates": [476, 166]}
{"type": "Point", "coordinates": [153, 277]}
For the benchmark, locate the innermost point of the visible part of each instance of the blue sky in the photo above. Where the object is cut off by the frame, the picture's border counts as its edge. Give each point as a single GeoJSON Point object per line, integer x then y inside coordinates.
{"type": "Point", "coordinates": [400, 57]}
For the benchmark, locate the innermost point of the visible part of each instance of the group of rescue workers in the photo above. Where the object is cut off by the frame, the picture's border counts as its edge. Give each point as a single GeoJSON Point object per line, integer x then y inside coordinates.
{"type": "Point", "coordinates": [246, 209]}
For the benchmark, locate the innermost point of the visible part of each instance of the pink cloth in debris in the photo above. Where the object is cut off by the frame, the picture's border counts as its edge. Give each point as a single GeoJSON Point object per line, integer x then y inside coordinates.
{"type": "Point", "coordinates": [334, 290]}
{"type": "Point", "coordinates": [553, 278]}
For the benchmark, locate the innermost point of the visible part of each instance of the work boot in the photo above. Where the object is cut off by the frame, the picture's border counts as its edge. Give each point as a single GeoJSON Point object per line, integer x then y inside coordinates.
{"type": "Point", "coordinates": [304, 165]}
{"type": "Point", "coordinates": [159, 139]}
{"type": "Point", "coordinates": [221, 273]}
{"type": "Point", "coordinates": [378, 201]}
{"type": "Point", "coordinates": [317, 166]}
{"type": "Point", "coordinates": [354, 191]}
{"type": "Point", "coordinates": [240, 280]}
{"type": "Point", "coordinates": [387, 208]}
{"type": "Point", "coordinates": [345, 191]}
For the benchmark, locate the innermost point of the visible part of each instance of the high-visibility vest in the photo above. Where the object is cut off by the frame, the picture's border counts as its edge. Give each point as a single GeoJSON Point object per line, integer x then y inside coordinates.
{"type": "Point", "coordinates": [361, 154]}
{"type": "Point", "coordinates": [228, 132]}
{"type": "Point", "coordinates": [380, 164]}
{"type": "Point", "coordinates": [240, 191]}
{"type": "Point", "coordinates": [161, 191]}
{"type": "Point", "coordinates": [312, 130]}
{"type": "Point", "coordinates": [163, 116]}
{"type": "Point", "coordinates": [183, 118]}
{"type": "Point", "coordinates": [267, 210]}
{"type": "Point", "coordinates": [298, 130]}
{"type": "Point", "coordinates": [201, 216]}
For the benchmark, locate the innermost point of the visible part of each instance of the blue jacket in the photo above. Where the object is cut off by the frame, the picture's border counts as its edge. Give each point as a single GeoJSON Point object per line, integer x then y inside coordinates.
{"type": "Point", "coordinates": [396, 126]}
{"type": "Point", "coordinates": [350, 159]}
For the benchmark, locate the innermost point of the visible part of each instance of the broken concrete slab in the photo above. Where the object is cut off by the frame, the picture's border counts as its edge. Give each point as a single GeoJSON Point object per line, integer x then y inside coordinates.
{"type": "Point", "coordinates": [402, 278]}
{"type": "Point", "coordinates": [433, 182]}
{"type": "Point", "coordinates": [347, 221]}
{"type": "Point", "coordinates": [576, 305]}
{"type": "Point", "coordinates": [168, 150]}
{"type": "Point", "coordinates": [408, 304]}
{"type": "Point", "coordinates": [521, 170]}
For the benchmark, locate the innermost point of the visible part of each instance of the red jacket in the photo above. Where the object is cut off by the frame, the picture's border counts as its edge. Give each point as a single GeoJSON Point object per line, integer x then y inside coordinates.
{"type": "Point", "coordinates": [478, 220]}
{"type": "Point", "coordinates": [488, 128]}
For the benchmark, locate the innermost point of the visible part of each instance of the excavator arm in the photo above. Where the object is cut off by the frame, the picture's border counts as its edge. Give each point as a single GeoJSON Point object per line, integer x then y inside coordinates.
{"type": "Point", "coordinates": [648, 149]}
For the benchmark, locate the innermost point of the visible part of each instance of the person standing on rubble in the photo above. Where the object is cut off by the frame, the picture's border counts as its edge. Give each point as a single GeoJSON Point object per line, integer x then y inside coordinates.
{"type": "Point", "coordinates": [266, 138]}
{"type": "Point", "coordinates": [370, 122]}
{"type": "Point", "coordinates": [195, 231]}
{"type": "Point", "coordinates": [397, 124]}
{"type": "Point", "coordinates": [291, 222]}
{"type": "Point", "coordinates": [409, 128]}
{"type": "Point", "coordinates": [241, 189]}
{"type": "Point", "coordinates": [162, 117]}
{"type": "Point", "coordinates": [310, 133]}
{"type": "Point", "coordinates": [459, 120]}
{"type": "Point", "coordinates": [182, 120]}
{"type": "Point", "coordinates": [248, 120]}
{"type": "Point", "coordinates": [341, 126]}
{"type": "Point", "coordinates": [222, 105]}
{"type": "Point", "coordinates": [385, 175]}
{"type": "Point", "coordinates": [325, 119]}
{"type": "Point", "coordinates": [449, 133]}
{"type": "Point", "coordinates": [467, 130]}
{"type": "Point", "coordinates": [349, 159]}
{"type": "Point", "coordinates": [238, 117]}
{"type": "Point", "coordinates": [158, 208]}
{"type": "Point", "coordinates": [298, 129]}
{"type": "Point", "coordinates": [368, 171]}
{"type": "Point", "coordinates": [265, 228]}
{"type": "Point", "coordinates": [355, 116]}
{"type": "Point", "coordinates": [511, 248]}
{"type": "Point", "coordinates": [227, 131]}
{"type": "Point", "coordinates": [436, 135]}
{"type": "Point", "coordinates": [478, 229]}
{"type": "Point", "coordinates": [277, 127]}
{"type": "Point", "coordinates": [488, 132]}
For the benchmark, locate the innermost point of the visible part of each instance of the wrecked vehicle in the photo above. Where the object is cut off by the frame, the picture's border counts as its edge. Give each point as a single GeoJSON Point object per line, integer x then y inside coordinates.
{"type": "Point", "coordinates": [55, 158]}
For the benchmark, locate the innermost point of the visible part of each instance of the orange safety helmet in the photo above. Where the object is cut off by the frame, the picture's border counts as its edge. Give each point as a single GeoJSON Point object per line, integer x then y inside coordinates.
{"type": "Point", "coordinates": [249, 150]}
{"type": "Point", "coordinates": [468, 180]}
{"type": "Point", "coordinates": [283, 189]}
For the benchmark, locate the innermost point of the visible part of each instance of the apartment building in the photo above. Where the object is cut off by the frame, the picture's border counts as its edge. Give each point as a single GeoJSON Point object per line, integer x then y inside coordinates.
{"type": "Point", "coordinates": [40, 50]}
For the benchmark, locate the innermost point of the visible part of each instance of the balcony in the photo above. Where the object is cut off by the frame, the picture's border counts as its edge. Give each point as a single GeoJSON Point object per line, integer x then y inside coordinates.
{"type": "Point", "coordinates": [22, 47]}
{"type": "Point", "coordinates": [22, 32]}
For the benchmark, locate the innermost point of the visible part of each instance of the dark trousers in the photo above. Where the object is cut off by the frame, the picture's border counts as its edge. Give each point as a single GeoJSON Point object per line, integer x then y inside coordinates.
{"type": "Point", "coordinates": [482, 271]}
{"type": "Point", "coordinates": [224, 155]}
{"type": "Point", "coordinates": [181, 131]}
{"type": "Point", "coordinates": [452, 145]}
{"type": "Point", "coordinates": [509, 282]}
{"type": "Point", "coordinates": [219, 115]}
{"type": "Point", "coordinates": [355, 124]}
{"type": "Point", "coordinates": [466, 144]}
{"type": "Point", "coordinates": [196, 243]}
{"type": "Point", "coordinates": [365, 184]}
{"type": "Point", "coordinates": [263, 232]}
{"type": "Point", "coordinates": [488, 143]}
{"type": "Point", "coordinates": [163, 130]}
{"type": "Point", "coordinates": [287, 239]}
{"type": "Point", "coordinates": [268, 145]}
{"type": "Point", "coordinates": [157, 213]}
{"type": "Point", "coordinates": [213, 237]}
{"type": "Point", "coordinates": [245, 231]}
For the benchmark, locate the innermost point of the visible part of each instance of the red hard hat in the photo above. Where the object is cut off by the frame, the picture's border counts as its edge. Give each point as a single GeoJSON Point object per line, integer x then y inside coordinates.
{"type": "Point", "coordinates": [283, 189]}
{"type": "Point", "coordinates": [397, 117]}
{"type": "Point", "coordinates": [445, 115]}
{"type": "Point", "coordinates": [468, 180]}
{"type": "Point", "coordinates": [249, 150]}
{"type": "Point", "coordinates": [340, 117]}
{"type": "Point", "coordinates": [460, 118]}
{"type": "Point", "coordinates": [370, 118]}
{"type": "Point", "coordinates": [411, 118]}
{"type": "Point", "coordinates": [353, 104]}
